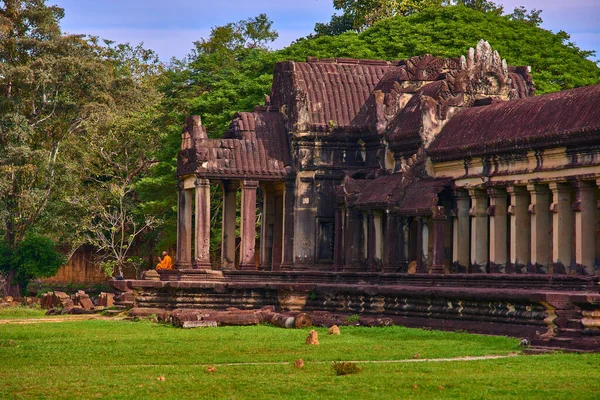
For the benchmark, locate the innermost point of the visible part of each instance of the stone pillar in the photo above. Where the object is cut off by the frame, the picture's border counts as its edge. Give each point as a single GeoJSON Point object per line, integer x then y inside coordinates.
{"type": "Point", "coordinates": [184, 228]}
{"type": "Point", "coordinates": [585, 227]}
{"type": "Point", "coordinates": [371, 249]}
{"type": "Point", "coordinates": [520, 229]}
{"type": "Point", "coordinates": [277, 253]}
{"type": "Point", "coordinates": [479, 231]}
{"type": "Point", "coordinates": [338, 238]}
{"type": "Point", "coordinates": [404, 241]}
{"type": "Point", "coordinates": [439, 233]}
{"type": "Point", "coordinates": [562, 227]}
{"type": "Point", "coordinates": [392, 242]}
{"type": "Point", "coordinates": [378, 223]}
{"type": "Point", "coordinates": [267, 226]}
{"type": "Point", "coordinates": [352, 237]}
{"type": "Point", "coordinates": [228, 225]}
{"type": "Point", "coordinates": [248, 225]}
{"type": "Point", "coordinates": [462, 228]}
{"type": "Point", "coordinates": [202, 241]}
{"type": "Point", "coordinates": [421, 265]}
{"type": "Point", "coordinates": [364, 248]}
{"type": "Point", "coordinates": [289, 200]}
{"type": "Point", "coordinates": [541, 228]}
{"type": "Point", "coordinates": [498, 230]}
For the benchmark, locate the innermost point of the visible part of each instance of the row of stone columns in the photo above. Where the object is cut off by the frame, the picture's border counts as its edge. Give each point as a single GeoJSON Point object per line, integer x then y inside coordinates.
{"type": "Point", "coordinates": [362, 242]}
{"type": "Point", "coordinates": [542, 220]}
{"type": "Point", "coordinates": [276, 234]}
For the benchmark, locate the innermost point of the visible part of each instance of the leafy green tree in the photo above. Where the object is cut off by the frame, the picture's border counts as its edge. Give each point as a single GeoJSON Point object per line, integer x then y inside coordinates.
{"type": "Point", "coordinates": [555, 61]}
{"type": "Point", "coordinates": [336, 26]}
{"type": "Point", "coordinates": [35, 257]}
{"type": "Point", "coordinates": [481, 5]}
{"type": "Point", "coordinates": [532, 17]}
{"type": "Point", "coordinates": [58, 91]}
{"type": "Point", "coordinates": [364, 13]}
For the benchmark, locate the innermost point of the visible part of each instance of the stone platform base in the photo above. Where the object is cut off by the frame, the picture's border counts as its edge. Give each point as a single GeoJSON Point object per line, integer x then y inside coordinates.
{"type": "Point", "coordinates": [550, 310]}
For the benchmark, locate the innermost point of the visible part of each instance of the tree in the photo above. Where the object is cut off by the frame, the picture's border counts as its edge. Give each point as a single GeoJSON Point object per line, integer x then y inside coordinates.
{"type": "Point", "coordinates": [532, 17]}
{"type": "Point", "coordinates": [57, 89]}
{"type": "Point", "coordinates": [364, 13]}
{"type": "Point", "coordinates": [481, 5]}
{"type": "Point", "coordinates": [556, 62]}
{"type": "Point", "coordinates": [35, 257]}
{"type": "Point", "coordinates": [338, 25]}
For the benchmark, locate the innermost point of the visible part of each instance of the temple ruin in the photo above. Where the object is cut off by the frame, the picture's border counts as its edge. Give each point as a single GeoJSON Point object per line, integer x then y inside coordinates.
{"type": "Point", "coordinates": [437, 191]}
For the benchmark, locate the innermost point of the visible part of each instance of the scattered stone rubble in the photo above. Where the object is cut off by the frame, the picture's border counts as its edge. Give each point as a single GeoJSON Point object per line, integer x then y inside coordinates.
{"type": "Point", "coordinates": [57, 302]}
{"type": "Point", "coordinates": [197, 318]}
{"type": "Point", "coordinates": [10, 301]}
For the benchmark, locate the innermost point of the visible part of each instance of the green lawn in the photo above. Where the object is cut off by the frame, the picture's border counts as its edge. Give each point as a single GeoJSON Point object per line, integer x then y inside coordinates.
{"type": "Point", "coordinates": [21, 312]}
{"type": "Point", "coordinates": [121, 359]}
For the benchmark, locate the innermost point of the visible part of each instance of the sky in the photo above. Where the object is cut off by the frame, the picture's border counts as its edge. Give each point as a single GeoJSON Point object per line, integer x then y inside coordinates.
{"type": "Point", "coordinates": [170, 27]}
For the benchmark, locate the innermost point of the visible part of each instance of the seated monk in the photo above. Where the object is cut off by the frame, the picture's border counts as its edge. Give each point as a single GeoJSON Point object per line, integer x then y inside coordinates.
{"type": "Point", "coordinates": [165, 262]}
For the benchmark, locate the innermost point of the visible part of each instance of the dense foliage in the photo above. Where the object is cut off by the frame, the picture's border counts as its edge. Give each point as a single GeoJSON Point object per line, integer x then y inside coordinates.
{"type": "Point", "coordinates": [68, 132]}
{"type": "Point", "coordinates": [34, 257]}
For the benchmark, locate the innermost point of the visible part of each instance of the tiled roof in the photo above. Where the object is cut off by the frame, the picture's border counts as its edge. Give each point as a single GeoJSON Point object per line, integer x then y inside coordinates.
{"type": "Point", "coordinates": [255, 147]}
{"type": "Point", "coordinates": [332, 92]}
{"type": "Point", "coordinates": [549, 120]}
{"type": "Point", "coordinates": [397, 193]}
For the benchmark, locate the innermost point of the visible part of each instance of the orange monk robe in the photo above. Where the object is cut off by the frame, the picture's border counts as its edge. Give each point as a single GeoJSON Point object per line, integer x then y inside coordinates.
{"type": "Point", "coordinates": [166, 263]}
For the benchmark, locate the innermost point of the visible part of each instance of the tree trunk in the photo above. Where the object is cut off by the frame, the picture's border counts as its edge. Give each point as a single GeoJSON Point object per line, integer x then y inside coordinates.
{"type": "Point", "coordinates": [12, 287]}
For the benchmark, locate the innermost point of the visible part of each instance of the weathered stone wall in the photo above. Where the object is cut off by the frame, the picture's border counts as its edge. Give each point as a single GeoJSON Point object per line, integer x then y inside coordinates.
{"type": "Point", "coordinates": [81, 269]}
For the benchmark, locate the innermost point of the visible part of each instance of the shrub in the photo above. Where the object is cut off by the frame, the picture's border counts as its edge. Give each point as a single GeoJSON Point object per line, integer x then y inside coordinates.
{"type": "Point", "coordinates": [346, 368]}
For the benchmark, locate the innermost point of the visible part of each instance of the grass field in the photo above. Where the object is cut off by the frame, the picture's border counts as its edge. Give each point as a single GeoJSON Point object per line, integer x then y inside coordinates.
{"type": "Point", "coordinates": [123, 359]}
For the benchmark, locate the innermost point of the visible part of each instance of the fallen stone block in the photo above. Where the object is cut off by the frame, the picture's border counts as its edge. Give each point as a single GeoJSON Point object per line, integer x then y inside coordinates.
{"type": "Point", "coordinates": [291, 320]}
{"type": "Point", "coordinates": [106, 299]}
{"type": "Point", "coordinates": [82, 300]}
{"type": "Point", "coordinates": [199, 324]}
{"type": "Point", "coordinates": [313, 338]}
{"type": "Point", "coordinates": [374, 321]}
{"type": "Point", "coordinates": [151, 275]}
{"type": "Point", "coordinates": [334, 330]}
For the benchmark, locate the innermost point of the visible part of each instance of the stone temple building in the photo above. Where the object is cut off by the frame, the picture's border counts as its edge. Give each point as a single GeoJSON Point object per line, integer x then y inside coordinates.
{"type": "Point", "coordinates": [439, 191]}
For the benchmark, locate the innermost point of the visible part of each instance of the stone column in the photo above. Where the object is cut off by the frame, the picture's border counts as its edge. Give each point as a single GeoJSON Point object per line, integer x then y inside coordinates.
{"type": "Point", "coordinates": [392, 242]}
{"type": "Point", "coordinates": [541, 228]}
{"type": "Point", "coordinates": [364, 248]}
{"type": "Point", "coordinates": [202, 223]}
{"type": "Point", "coordinates": [479, 231]}
{"type": "Point", "coordinates": [277, 254]}
{"type": "Point", "coordinates": [421, 265]}
{"type": "Point", "coordinates": [372, 241]}
{"type": "Point", "coordinates": [439, 232]}
{"type": "Point", "coordinates": [228, 225]}
{"type": "Point", "coordinates": [338, 237]}
{"type": "Point", "coordinates": [288, 225]}
{"type": "Point", "coordinates": [267, 226]}
{"type": "Point", "coordinates": [248, 225]}
{"type": "Point", "coordinates": [462, 228]}
{"type": "Point", "coordinates": [562, 227]}
{"type": "Point", "coordinates": [184, 228]}
{"type": "Point", "coordinates": [520, 229]}
{"type": "Point", "coordinates": [378, 223]}
{"type": "Point", "coordinates": [404, 241]}
{"type": "Point", "coordinates": [585, 227]}
{"type": "Point", "coordinates": [498, 230]}
{"type": "Point", "coordinates": [352, 237]}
